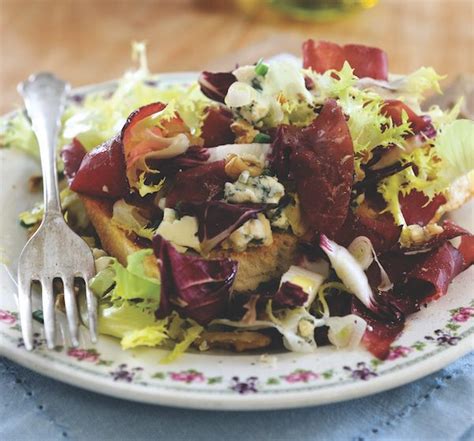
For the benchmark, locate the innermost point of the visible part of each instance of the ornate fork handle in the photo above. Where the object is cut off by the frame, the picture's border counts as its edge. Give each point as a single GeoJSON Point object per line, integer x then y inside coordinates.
{"type": "Point", "coordinates": [45, 97]}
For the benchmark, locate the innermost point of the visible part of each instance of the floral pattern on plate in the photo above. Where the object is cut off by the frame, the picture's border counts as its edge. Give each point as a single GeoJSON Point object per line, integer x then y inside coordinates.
{"type": "Point", "coordinates": [448, 335]}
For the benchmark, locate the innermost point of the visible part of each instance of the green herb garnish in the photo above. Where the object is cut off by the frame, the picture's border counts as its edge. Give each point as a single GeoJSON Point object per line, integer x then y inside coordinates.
{"type": "Point", "coordinates": [262, 138]}
{"type": "Point", "coordinates": [261, 68]}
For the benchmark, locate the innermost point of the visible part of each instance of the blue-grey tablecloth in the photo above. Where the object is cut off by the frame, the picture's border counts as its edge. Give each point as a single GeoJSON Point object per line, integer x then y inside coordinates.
{"type": "Point", "coordinates": [438, 407]}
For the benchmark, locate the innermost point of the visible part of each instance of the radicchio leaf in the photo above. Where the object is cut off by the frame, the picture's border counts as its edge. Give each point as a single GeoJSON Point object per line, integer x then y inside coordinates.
{"type": "Point", "coordinates": [72, 155]}
{"type": "Point", "coordinates": [216, 84]}
{"type": "Point", "coordinates": [290, 295]}
{"type": "Point", "coordinates": [197, 288]}
{"type": "Point", "coordinates": [198, 184]}
{"type": "Point", "coordinates": [102, 172]}
{"type": "Point", "coordinates": [366, 61]}
{"type": "Point", "coordinates": [218, 220]}
{"type": "Point", "coordinates": [320, 159]}
{"type": "Point", "coordinates": [193, 157]}
{"type": "Point", "coordinates": [216, 129]}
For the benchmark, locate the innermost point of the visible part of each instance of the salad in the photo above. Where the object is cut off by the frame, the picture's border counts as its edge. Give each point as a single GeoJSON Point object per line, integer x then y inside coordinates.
{"type": "Point", "coordinates": [281, 205]}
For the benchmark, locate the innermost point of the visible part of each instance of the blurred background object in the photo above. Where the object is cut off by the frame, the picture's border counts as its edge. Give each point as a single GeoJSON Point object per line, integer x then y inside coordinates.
{"type": "Point", "coordinates": [320, 9]}
{"type": "Point", "coordinates": [88, 41]}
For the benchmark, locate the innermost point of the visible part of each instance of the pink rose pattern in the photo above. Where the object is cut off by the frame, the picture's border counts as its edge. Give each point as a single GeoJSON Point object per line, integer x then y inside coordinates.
{"type": "Point", "coordinates": [463, 314]}
{"type": "Point", "coordinates": [398, 351]}
{"type": "Point", "coordinates": [7, 317]}
{"type": "Point", "coordinates": [90, 355]}
{"type": "Point", "coordinates": [190, 376]}
{"type": "Point", "coordinates": [300, 376]}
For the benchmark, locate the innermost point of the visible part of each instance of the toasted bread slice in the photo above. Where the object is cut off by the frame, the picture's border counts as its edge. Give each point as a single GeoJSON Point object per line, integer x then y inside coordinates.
{"type": "Point", "coordinates": [256, 264]}
{"type": "Point", "coordinates": [115, 241]}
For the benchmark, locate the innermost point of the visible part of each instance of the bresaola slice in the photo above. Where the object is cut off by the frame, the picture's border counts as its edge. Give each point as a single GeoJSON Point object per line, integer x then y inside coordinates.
{"type": "Point", "coordinates": [197, 288]}
{"type": "Point", "coordinates": [218, 220]}
{"type": "Point", "coordinates": [198, 184]}
{"type": "Point", "coordinates": [215, 129]}
{"type": "Point", "coordinates": [322, 56]}
{"type": "Point", "coordinates": [379, 334]}
{"type": "Point", "coordinates": [449, 231]}
{"type": "Point", "coordinates": [430, 278]}
{"type": "Point", "coordinates": [320, 159]}
{"type": "Point", "coordinates": [108, 170]}
{"type": "Point", "coordinates": [466, 248]}
{"type": "Point", "coordinates": [366, 61]}
{"type": "Point", "coordinates": [323, 167]}
{"type": "Point", "coordinates": [216, 84]}
{"type": "Point", "coordinates": [72, 155]}
{"type": "Point", "coordinates": [419, 124]}
{"type": "Point", "coordinates": [143, 142]}
{"type": "Point", "coordinates": [417, 208]}
{"type": "Point", "coordinates": [382, 231]}
{"type": "Point", "coordinates": [102, 172]}
{"type": "Point", "coordinates": [418, 279]}
{"type": "Point", "coordinates": [287, 139]}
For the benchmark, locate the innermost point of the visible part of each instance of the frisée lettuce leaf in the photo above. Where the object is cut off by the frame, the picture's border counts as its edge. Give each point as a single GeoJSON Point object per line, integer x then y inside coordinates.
{"type": "Point", "coordinates": [455, 146]}
{"type": "Point", "coordinates": [98, 116]}
{"type": "Point", "coordinates": [153, 335]}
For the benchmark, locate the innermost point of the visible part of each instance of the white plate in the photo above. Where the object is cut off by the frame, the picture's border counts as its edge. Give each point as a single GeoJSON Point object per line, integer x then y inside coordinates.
{"type": "Point", "coordinates": [433, 338]}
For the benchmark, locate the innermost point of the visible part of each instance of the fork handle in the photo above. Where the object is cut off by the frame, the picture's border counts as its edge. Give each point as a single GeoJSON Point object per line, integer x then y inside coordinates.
{"type": "Point", "coordinates": [44, 96]}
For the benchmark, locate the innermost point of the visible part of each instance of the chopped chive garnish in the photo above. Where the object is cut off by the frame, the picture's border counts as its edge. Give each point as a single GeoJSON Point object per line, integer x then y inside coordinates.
{"type": "Point", "coordinates": [262, 138]}
{"type": "Point", "coordinates": [38, 315]}
{"type": "Point", "coordinates": [261, 68]}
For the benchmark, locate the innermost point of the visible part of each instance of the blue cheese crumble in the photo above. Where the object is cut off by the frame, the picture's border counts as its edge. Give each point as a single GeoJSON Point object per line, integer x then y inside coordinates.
{"type": "Point", "coordinates": [254, 189]}
{"type": "Point", "coordinates": [182, 232]}
{"type": "Point", "coordinates": [256, 232]}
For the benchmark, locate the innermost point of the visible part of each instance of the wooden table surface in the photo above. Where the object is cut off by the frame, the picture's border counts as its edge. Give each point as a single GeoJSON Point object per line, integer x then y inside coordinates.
{"type": "Point", "coordinates": [88, 41]}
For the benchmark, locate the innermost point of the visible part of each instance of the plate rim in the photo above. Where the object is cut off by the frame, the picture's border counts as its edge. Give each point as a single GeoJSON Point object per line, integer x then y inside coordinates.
{"type": "Point", "coordinates": [433, 362]}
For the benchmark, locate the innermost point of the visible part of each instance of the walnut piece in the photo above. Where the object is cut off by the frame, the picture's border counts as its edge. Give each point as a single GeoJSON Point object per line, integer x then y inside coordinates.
{"type": "Point", "coordinates": [236, 164]}
{"type": "Point", "coordinates": [239, 341]}
{"type": "Point", "coordinates": [244, 132]}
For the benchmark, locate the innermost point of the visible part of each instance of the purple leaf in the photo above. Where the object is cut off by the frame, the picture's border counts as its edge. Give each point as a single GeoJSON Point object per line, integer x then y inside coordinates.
{"type": "Point", "coordinates": [193, 157]}
{"type": "Point", "coordinates": [215, 85]}
{"type": "Point", "coordinates": [290, 295]}
{"type": "Point", "coordinates": [218, 220]}
{"type": "Point", "coordinates": [197, 288]}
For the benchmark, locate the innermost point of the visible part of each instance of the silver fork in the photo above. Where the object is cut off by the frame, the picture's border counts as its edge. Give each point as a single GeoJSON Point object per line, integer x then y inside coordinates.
{"type": "Point", "coordinates": [54, 251]}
